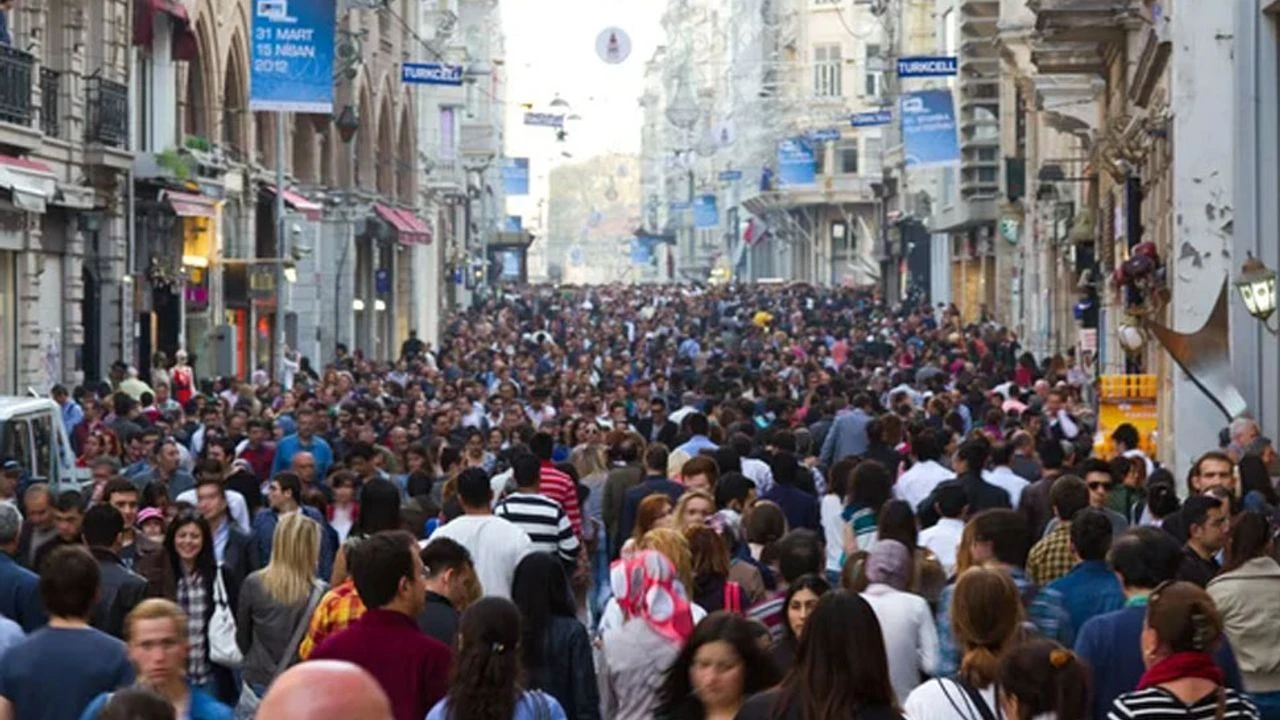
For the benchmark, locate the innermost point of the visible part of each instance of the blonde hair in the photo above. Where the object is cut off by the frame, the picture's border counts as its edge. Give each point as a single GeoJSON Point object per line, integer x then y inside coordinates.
{"type": "Point", "coordinates": [589, 459]}
{"type": "Point", "coordinates": [672, 544]}
{"type": "Point", "coordinates": [295, 548]}
{"type": "Point", "coordinates": [688, 496]}
{"type": "Point", "coordinates": [157, 609]}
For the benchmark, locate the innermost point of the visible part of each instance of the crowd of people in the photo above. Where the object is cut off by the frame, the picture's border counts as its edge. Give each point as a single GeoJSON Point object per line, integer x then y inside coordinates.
{"type": "Point", "coordinates": [766, 503]}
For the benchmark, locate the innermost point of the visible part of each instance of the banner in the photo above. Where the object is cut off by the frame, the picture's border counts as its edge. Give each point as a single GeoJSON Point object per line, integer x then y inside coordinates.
{"type": "Point", "coordinates": [872, 118]}
{"type": "Point", "coordinates": [706, 215]}
{"type": "Point", "coordinates": [642, 251]}
{"type": "Point", "coordinates": [825, 135]}
{"type": "Point", "coordinates": [515, 176]}
{"type": "Point", "coordinates": [797, 165]}
{"type": "Point", "coordinates": [929, 128]}
{"type": "Point", "coordinates": [291, 56]}
{"type": "Point", "coordinates": [513, 224]}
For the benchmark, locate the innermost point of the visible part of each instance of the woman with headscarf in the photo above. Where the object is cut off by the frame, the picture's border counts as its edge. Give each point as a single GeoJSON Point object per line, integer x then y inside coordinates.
{"type": "Point", "coordinates": [657, 622]}
{"type": "Point", "coordinates": [910, 636]}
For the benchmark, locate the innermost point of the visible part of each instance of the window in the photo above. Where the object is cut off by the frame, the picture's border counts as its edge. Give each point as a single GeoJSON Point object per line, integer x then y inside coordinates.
{"type": "Point", "coordinates": [847, 158]}
{"type": "Point", "coordinates": [820, 158]}
{"type": "Point", "coordinates": [448, 143]}
{"type": "Point", "coordinates": [874, 76]}
{"type": "Point", "coordinates": [872, 162]}
{"type": "Point", "coordinates": [827, 71]}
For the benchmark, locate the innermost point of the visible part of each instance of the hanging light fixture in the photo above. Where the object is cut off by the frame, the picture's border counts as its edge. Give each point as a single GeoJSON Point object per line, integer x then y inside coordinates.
{"type": "Point", "coordinates": [559, 102]}
{"type": "Point", "coordinates": [1257, 288]}
{"type": "Point", "coordinates": [682, 111]}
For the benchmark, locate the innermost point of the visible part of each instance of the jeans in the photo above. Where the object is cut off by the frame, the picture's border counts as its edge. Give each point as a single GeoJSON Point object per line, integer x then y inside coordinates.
{"type": "Point", "coordinates": [1268, 704]}
{"type": "Point", "coordinates": [601, 590]}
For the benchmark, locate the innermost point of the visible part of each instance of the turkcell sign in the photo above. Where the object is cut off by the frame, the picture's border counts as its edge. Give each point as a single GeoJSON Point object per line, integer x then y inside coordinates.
{"type": "Point", "coordinates": [544, 120]}
{"type": "Point", "coordinates": [927, 67]}
{"type": "Point", "coordinates": [872, 119]}
{"type": "Point", "coordinates": [730, 175]}
{"type": "Point", "coordinates": [825, 135]}
{"type": "Point", "coordinates": [431, 74]}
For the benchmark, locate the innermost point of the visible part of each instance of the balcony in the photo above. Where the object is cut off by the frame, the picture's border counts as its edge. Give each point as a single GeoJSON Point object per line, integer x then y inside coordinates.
{"type": "Point", "coordinates": [107, 129]}
{"type": "Point", "coordinates": [49, 116]}
{"type": "Point", "coordinates": [17, 73]}
{"type": "Point", "coordinates": [1097, 21]}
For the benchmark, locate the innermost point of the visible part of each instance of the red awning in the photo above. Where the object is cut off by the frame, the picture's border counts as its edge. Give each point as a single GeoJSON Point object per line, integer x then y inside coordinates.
{"type": "Point", "coordinates": [311, 210]}
{"type": "Point", "coordinates": [31, 184]}
{"type": "Point", "coordinates": [411, 229]}
{"type": "Point", "coordinates": [188, 204]}
{"type": "Point", "coordinates": [184, 37]}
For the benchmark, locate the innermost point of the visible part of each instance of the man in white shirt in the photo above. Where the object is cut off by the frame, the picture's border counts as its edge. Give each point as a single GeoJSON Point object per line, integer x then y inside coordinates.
{"type": "Point", "coordinates": [496, 545]}
{"type": "Point", "coordinates": [926, 474]}
{"type": "Point", "coordinates": [943, 538]}
{"type": "Point", "coordinates": [1002, 475]}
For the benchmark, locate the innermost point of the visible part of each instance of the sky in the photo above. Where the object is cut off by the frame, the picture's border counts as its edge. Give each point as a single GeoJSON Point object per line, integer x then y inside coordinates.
{"type": "Point", "coordinates": [550, 49]}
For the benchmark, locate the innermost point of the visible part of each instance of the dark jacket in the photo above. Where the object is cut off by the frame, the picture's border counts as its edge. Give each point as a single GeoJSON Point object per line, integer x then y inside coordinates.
{"type": "Point", "coordinates": [568, 673]}
{"type": "Point", "coordinates": [620, 480]}
{"type": "Point", "coordinates": [20, 595]}
{"type": "Point", "coordinates": [631, 502]}
{"type": "Point", "coordinates": [666, 434]}
{"type": "Point", "coordinates": [800, 507]}
{"type": "Point", "coordinates": [888, 457]}
{"type": "Point", "coordinates": [1195, 569]}
{"type": "Point", "coordinates": [238, 558]}
{"type": "Point", "coordinates": [439, 619]}
{"type": "Point", "coordinates": [119, 592]}
{"type": "Point", "coordinates": [982, 496]}
{"type": "Point", "coordinates": [1035, 506]}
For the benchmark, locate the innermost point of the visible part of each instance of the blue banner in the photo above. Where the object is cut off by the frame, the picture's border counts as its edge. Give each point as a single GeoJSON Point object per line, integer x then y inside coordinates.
{"type": "Point", "coordinates": [642, 251]}
{"type": "Point", "coordinates": [871, 119]}
{"type": "Point", "coordinates": [431, 74]}
{"type": "Point", "coordinates": [513, 224]}
{"type": "Point", "coordinates": [291, 56]}
{"type": "Point", "coordinates": [705, 213]}
{"type": "Point", "coordinates": [929, 128]}
{"type": "Point", "coordinates": [825, 135]}
{"type": "Point", "coordinates": [797, 165]}
{"type": "Point", "coordinates": [927, 67]}
{"type": "Point", "coordinates": [515, 176]}
{"type": "Point", "coordinates": [730, 175]}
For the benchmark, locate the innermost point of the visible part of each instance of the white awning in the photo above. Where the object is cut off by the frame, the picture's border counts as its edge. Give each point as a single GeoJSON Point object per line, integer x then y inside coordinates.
{"type": "Point", "coordinates": [31, 184]}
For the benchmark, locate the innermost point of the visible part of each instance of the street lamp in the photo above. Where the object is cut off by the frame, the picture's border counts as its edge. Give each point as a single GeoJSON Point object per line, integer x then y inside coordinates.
{"type": "Point", "coordinates": [1257, 288]}
{"type": "Point", "coordinates": [683, 109]}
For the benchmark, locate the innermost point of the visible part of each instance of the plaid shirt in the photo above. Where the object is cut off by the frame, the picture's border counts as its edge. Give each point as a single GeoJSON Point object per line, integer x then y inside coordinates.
{"type": "Point", "coordinates": [194, 600]}
{"type": "Point", "coordinates": [338, 609]}
{"type": "Point", "coordinates": [1045, 611]}
{"type": "Point", "coordinates": [1051, 558]}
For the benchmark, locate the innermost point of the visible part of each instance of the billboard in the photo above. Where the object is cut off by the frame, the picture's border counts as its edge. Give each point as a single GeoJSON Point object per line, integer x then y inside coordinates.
{"type": "Point", "coordinates": [291, 56]}
{"type": "Point", "coordinates": [515, 176]}
{"type": "Point", "coordinates": [929, 128]}
{"type": "Point", "coordinates": [797, 164]}
{"type": "Point", "coordinates": [706, 215]}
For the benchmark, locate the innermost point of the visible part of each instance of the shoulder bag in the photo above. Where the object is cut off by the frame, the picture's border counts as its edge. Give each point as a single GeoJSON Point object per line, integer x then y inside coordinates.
{"type": "Point", "coordinates": [223, 648]}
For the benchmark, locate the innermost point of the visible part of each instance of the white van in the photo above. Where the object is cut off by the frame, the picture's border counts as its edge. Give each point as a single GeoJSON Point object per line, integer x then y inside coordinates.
{"type": "Point", "coordinates": [31, 432]}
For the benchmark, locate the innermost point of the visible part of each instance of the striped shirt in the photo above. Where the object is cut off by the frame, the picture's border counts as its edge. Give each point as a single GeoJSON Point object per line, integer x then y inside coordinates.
{"type": "Point", "coordinates": [543, 520]}
{"type": "Point", "coordinates": [560, 487]}
{"type": "Point", "coordinates": [1156, 703]}
{"type": "Point", "coordinates": [771, 612]}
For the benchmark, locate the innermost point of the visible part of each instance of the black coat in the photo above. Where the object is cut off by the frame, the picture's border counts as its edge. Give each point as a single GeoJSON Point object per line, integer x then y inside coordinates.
{"type": "Point", "coordinates": [982, 496]}
{"type": "Point", "coordinates": [119, 592]}
{"type": "Point", "coordinates": [666, 434]}
{"type": "Point", "coordinates": [568, 672]}
{"type": "Point", "coordinates": [238, 560]}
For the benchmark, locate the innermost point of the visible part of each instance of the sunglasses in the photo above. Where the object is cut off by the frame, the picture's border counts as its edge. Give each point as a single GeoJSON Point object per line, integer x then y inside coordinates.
{"type": "Point", "coordinates": [1104, 486]}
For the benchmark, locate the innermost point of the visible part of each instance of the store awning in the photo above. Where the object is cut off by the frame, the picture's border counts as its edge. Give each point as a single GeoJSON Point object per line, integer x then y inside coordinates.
{"type": "Point", "coordinates": [189, 204]}
{"type": "Point", "coordinates": [184, 37]}
{"type": "Point", "coordinates": [311, 210]}
{"type": "Point", "coordinates": [411, 229]}
{"type": "Point", "coordinates": [31, 184]}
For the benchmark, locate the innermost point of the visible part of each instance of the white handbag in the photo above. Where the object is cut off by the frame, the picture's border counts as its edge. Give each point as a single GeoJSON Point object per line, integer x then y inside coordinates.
{"type": "Point", "coordinates": [223, 648]}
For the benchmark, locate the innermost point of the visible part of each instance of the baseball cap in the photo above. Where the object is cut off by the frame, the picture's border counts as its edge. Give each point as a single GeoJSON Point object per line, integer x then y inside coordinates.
{"type": "Point", "coordinates": [148, 514]}
{"type": "Point", "coordinates": [11, 466]}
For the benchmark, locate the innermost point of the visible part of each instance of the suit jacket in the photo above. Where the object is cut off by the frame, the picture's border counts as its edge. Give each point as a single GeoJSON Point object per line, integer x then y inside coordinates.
{"type": "Point", "coordinates": [982, 496]}
{"type": "Point", "coordinates": [666, 434]}
{"type": "Point", "coordinates": [620, 480]}
{"type": "Point", "coordinates": [121, 591]}
{"type": "Point", "coordinates": [238, 560]}
{"type": "Point", "coordinates": [631, 502]}
{"type": "Point", "coordinates": [848, 436]}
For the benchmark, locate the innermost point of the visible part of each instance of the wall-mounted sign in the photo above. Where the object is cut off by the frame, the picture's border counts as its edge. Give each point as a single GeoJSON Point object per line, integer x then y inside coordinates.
{"type": "Point", "coordinates": [431, 74]}
{"type": "Point", "coordinates": [939, 66]}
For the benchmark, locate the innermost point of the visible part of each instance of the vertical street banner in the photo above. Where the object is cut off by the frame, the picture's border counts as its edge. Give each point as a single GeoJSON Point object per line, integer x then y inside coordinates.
{"type": "Point", "coordinates": [291, 56]}
{"type": "Point", "coordinates": [706, 215]}
{"type": "Point", "coordinates": [797, 164]}
{"type": "Point", "coordinates": [515, 176]}
{"type": "Point", "coordinates": [929, 128]}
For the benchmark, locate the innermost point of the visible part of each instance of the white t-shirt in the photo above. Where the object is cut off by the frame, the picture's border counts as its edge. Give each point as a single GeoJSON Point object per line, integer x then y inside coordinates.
{"type": "Point", "coordinates": [943, 539]}
{"type": "Point", "coordinates": [944, 699]}
{"type": "Point", "coordinates": [916, 484]}
{"type": "Point", "coordinates": [496, 546]}
{"type": "Point", "coordinates": [611, 617]}
{"type": "Point", "coordinates": [833, 525]}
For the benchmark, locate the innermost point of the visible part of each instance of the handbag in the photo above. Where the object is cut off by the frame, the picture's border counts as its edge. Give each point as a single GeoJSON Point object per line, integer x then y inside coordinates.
{"type": "Point", "coordinates": [223, 648]}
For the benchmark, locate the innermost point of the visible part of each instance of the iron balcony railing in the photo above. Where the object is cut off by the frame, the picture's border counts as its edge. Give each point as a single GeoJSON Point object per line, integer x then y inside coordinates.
{"type": "Point", "coordinates": [108, 113]}
{"type": "Point", "coordinates": [49, 80]}
{"type": "Point", "coordinates": [16, 71]}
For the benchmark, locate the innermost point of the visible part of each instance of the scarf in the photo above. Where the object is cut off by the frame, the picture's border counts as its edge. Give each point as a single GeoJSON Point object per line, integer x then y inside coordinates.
{"type": "Point", "coordinates": [645, 586]}
{"type": "Point", "coordinates": [1181, 665]}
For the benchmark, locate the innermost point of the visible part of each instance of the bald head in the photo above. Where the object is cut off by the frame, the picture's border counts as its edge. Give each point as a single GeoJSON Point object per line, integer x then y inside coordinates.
{"type": "Point", "coordinates": [324, 689]}
{"type": "Point", "coordinates": [304, 466]}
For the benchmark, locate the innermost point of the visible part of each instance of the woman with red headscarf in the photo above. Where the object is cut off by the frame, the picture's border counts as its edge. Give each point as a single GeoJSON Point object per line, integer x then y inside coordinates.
{"type": "Point", "coordinates": [658, 621]}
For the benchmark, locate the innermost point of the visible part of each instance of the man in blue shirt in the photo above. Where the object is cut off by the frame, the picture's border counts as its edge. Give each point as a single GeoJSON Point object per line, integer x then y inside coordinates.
{"type": "Point", "coordinates": [72, 413]}
{"type": "Point", "coordinates": [284, 495]}
{"type": "Point", "coordinates": [848, 434]}
{"type": "Point", "coordinates": [1110, 644]}
{"type": "Point", "coordinates": [1090, 588]}
{"type": "Point", "coordinates": [19, 587]}
{"type": "Point", "coordinates": [304, 439]}
{"type": "Point", "coordinates": [698, 440]}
